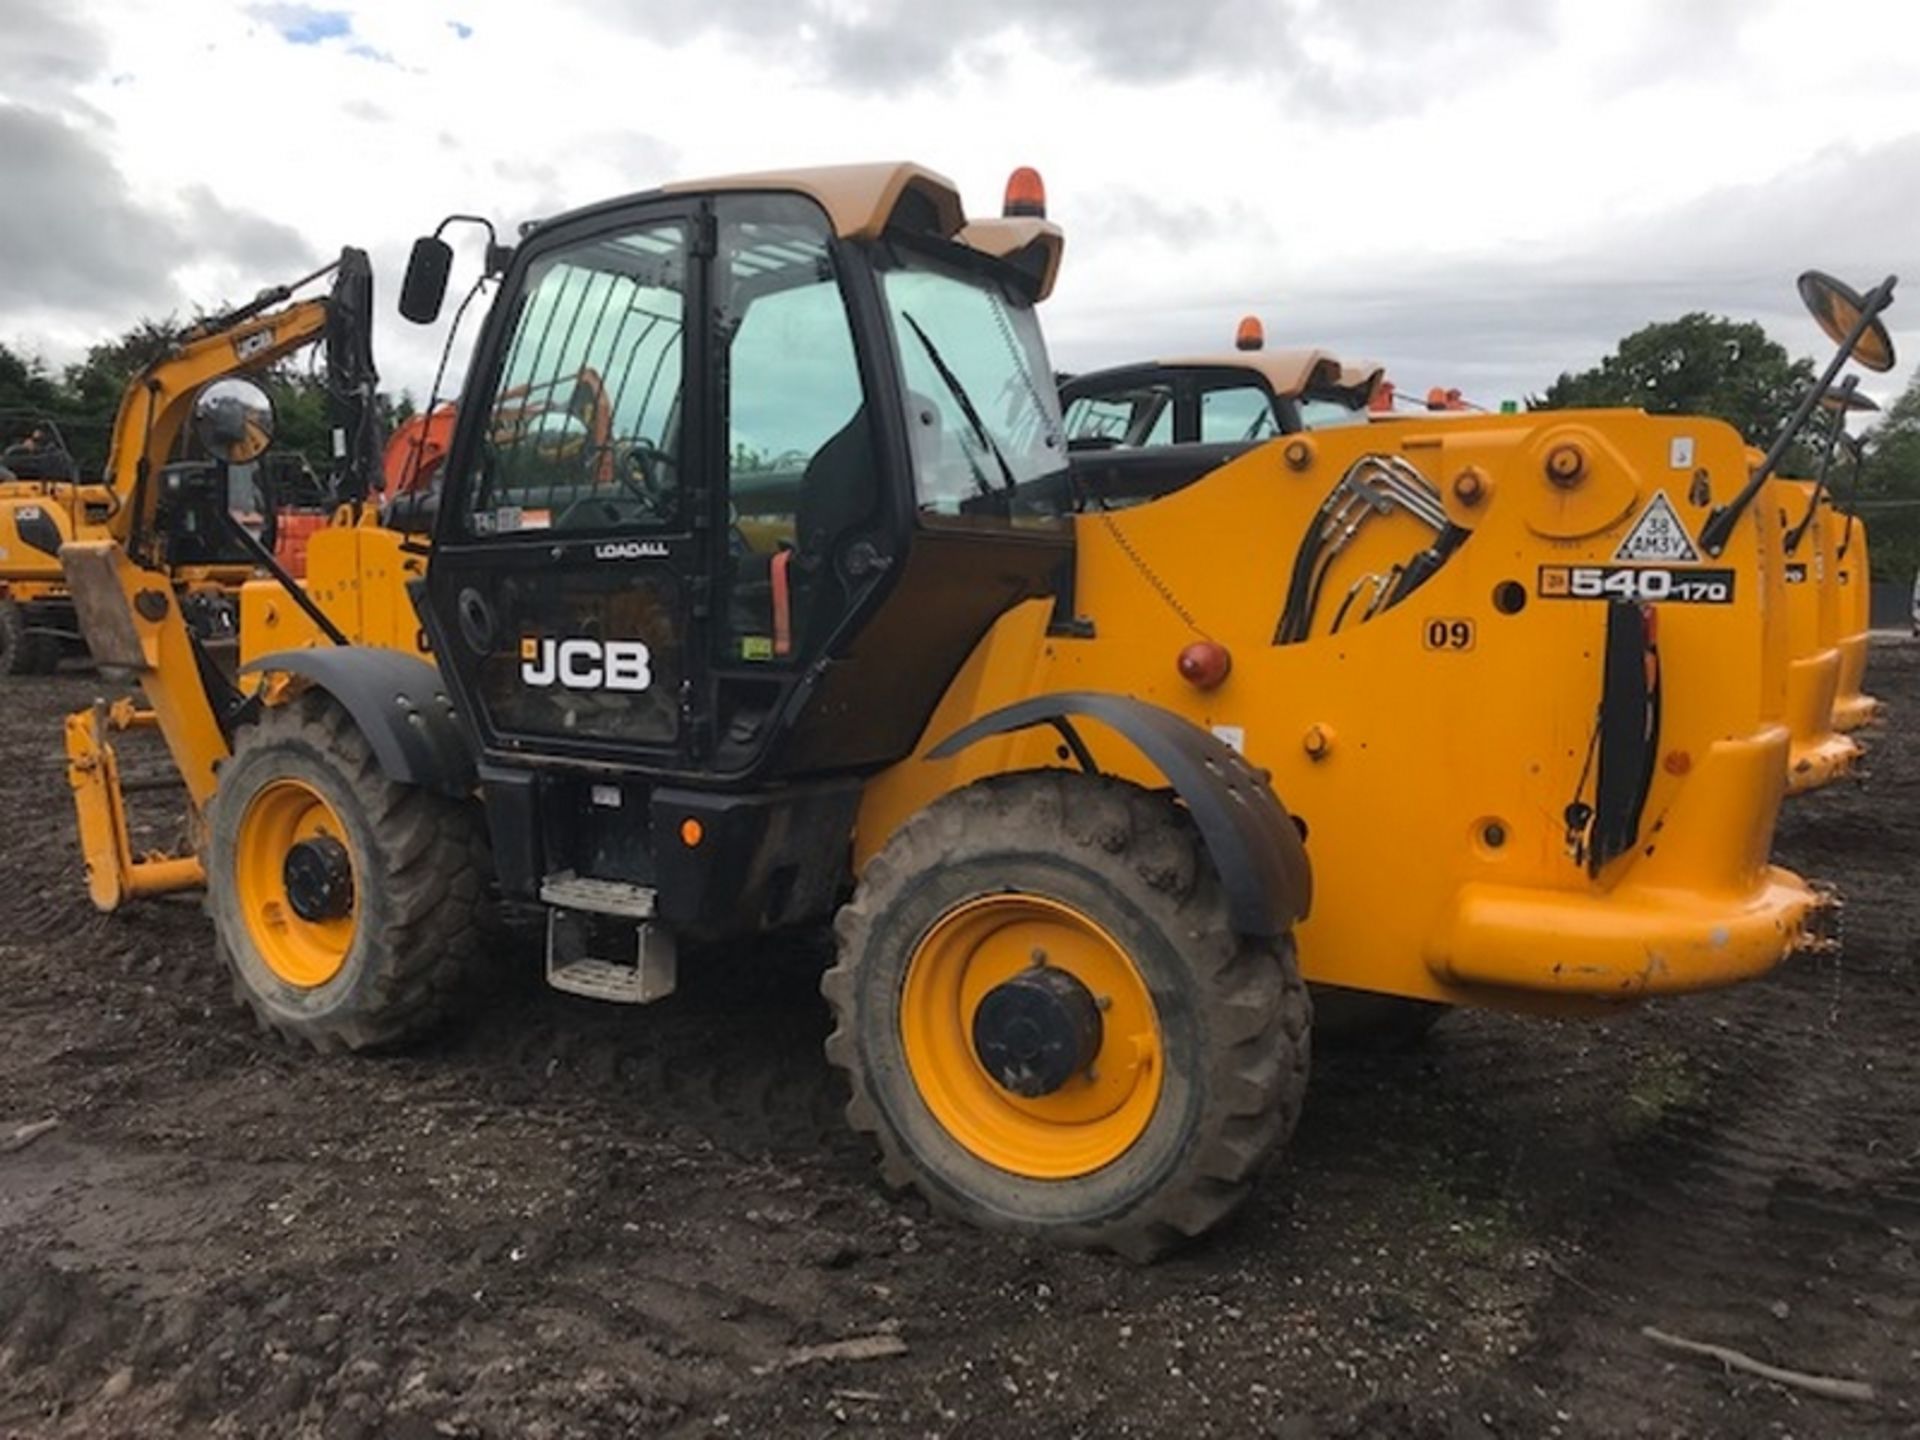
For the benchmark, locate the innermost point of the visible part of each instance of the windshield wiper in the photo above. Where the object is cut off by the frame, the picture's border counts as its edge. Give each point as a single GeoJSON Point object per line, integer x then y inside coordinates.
{"type": "Point", "coordinates": [959, 393]}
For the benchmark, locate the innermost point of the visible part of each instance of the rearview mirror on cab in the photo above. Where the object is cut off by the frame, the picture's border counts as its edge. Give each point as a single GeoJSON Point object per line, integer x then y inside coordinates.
{"type": "Point", "coordinates": [425, 287]}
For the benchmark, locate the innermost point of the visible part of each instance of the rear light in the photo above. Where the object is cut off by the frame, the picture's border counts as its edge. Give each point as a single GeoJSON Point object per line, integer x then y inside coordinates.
{"type": "Point", "coordinates": [1205, 664]}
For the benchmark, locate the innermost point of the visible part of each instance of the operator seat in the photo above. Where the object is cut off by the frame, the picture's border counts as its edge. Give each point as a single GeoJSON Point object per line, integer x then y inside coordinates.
{"type": "Point", "coordinates": [838, 490]}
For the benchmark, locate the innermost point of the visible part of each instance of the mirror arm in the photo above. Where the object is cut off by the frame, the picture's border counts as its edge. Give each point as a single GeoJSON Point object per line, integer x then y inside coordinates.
{"type": "Point", "coordinates": [498, 256]}
{"type": "Point", "coordinates": [1857, 452]}
{"type": "Point", "coordinates": [1827, 451]}
{"type": "Point", "coordinates": [1719, 527]}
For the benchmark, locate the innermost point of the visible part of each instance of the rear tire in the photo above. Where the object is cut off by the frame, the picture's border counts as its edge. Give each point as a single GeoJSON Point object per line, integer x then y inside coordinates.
{"type": "Point", "coordinates": [386, 972]}
{"type": "Point", "coordinates": [16, 645]}
{"type": "Point", "coordinates": [43, 654]}
{"type": "Point", "coordinates": [1121, 875]}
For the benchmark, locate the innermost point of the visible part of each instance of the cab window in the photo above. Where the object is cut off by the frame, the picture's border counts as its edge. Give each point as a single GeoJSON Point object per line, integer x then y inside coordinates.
{"type": "Point", "coordinates": [1141, 415]}
{"type": "Point", "coordinates": [1321, 412]}
{"type": "Point", "coordinates": [1236, 413]}
{"type": "Point", "coordinates": [802, 475]}
{"type": "Point", "coordinates": [584, 429]}
{"type": "Point", "coordinates": [983, 416]}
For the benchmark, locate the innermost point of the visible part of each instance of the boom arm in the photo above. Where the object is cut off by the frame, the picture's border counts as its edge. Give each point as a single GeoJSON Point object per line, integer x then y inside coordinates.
{"type": "Point", "coordinates": [159, 400]}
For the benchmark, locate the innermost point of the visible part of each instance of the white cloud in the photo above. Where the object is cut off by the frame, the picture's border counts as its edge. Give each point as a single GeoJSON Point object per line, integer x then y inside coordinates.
{"type": "Point", "coordinates": [1483, 192]}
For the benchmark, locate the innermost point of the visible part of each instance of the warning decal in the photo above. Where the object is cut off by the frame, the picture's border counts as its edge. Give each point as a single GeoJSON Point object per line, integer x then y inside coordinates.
{"type": "Point", "coordinates": [1659, 536]}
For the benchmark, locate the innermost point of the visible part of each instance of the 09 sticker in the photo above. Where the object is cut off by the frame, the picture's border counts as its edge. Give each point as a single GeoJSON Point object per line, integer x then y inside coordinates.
{"type": "Point", "coordinates": [1645, 583]}
{"type": "Point", "coordinates": [1445, 633]}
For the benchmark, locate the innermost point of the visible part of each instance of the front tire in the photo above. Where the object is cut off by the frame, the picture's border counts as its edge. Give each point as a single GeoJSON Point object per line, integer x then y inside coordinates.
{"type": "Point", "coordinates": [361, 938]}
{"type": "Point", "coordinates": [1192, 1078]}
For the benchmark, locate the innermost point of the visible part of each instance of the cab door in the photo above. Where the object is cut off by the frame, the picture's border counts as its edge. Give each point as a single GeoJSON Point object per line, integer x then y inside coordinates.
{"type": "Point", "coordinates": [565, 593]}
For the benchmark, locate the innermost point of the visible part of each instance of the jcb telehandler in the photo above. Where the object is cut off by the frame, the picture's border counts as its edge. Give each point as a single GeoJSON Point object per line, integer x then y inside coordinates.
{"type": "Point", "coordinates": [45, 507]}
{"type": "Point", "coordinates": [821, 629]}
{"type": "Point", "coordinates": [1830, 547]}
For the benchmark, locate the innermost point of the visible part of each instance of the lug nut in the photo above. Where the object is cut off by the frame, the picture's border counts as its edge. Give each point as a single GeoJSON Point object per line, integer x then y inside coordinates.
{"type": "Point", "coordinates": [1470, 486]}
{"type": "Point", "coordinates": [1299, 454]}
{"type": "Point", "coordinates": [1318, 742]}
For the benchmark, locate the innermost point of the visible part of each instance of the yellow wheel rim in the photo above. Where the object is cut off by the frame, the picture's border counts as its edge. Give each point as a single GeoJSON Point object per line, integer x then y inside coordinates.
{"type": "Point", "coordinates": [1099, 1113]}
{"type": "Point", "coordinates": [302, 952]}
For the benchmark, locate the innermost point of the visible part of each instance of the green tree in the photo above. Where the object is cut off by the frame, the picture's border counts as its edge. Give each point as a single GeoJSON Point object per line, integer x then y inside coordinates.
{"type": "Point", "coordinates": [1889, 488]}
{"type": "Point", "coordinates": [1697, 365]}
{"type": "Point", "coordinates": [85, 397]}
{"type": "Point", "coordinates": [25, 384]}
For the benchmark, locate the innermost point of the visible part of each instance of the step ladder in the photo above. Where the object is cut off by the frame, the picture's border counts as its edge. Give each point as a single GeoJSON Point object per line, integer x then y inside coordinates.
{"type": "Point", "coordinates": [578, 909]}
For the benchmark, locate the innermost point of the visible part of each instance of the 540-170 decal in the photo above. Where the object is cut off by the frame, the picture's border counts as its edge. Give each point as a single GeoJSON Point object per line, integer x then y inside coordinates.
{"type": "Point", "coordinates": [1687, 585]}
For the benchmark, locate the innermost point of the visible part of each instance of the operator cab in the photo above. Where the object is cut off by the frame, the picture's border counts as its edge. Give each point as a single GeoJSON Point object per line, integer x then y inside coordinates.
{"type": "Point", "coordinates": [743, 472]}
{"type": "Point", "coordinates": [1136, 432]}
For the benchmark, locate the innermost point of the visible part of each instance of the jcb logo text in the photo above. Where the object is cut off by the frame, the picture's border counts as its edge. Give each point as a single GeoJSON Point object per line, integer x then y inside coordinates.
{"type": "Point", "coordinates": [582, 664]}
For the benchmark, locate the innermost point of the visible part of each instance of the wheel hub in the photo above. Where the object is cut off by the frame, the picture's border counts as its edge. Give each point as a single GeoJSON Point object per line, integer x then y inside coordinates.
{"type": "Point", "coordinates": [319, 878]}
{"type": "Point", "coordinates": [1036, 1031]}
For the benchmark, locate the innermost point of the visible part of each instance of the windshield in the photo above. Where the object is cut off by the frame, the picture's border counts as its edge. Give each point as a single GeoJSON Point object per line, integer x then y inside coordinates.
{"type": "Point", "coordinates": [982, 412]}
{"type": "Point", "coordinates": [1138, 415]}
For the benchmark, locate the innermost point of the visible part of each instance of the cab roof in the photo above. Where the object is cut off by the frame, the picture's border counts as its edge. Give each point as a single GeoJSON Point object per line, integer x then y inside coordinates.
{"type": "Point", "coordinates": [863, 201]}
{"type": "Point", "coordinates": [1288, 373]}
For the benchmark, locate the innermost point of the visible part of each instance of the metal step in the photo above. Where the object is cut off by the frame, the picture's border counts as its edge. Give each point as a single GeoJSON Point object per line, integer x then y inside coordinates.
{"type": "Point", "coordinates": [597, 897]}
{"type": "Point", "coordinates": [572, 967]}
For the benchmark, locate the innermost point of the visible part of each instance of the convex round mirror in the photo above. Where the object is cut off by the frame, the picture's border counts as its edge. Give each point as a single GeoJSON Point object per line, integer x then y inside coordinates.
{"type": "Point", "coordinates": [1837, 307]}
{"type": "Point", "coordinates": [1851, 400]}
{"type": "Point", "coordinates": [233, 419]}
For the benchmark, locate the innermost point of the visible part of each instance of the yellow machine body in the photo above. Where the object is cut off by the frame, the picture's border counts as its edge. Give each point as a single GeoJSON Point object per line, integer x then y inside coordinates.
{"type": "Point", "coordinates": [153, 413]}
{"type": "Point", "coordinates": [1431, 752]}
{"type": "Point", "coordinates": [1820, 753]}
{"type": "Point", "coordinates": [357, 572]}
{"type": "Point", "coordinates": [29, 569]}
{"type": "Point", "coordinates": [1852, 706]}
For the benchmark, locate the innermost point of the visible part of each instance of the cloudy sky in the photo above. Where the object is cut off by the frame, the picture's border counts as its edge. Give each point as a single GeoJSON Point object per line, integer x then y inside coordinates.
{"type": "Point", "coordinates": [1477, 192]}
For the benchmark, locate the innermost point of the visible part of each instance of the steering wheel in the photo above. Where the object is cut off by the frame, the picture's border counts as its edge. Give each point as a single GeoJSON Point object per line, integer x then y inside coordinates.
{"type": "Point", "coordinates": [643, 470]}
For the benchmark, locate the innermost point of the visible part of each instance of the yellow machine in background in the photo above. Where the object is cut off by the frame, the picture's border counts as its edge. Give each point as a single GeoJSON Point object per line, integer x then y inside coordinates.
{"type": "Point", "coordinates": [43, 502]}
{"type": "Point", "coordinates": [193, 543]}
{"type": "Point", "coordinates": [1441, 711]}
{"type": "Point", "coordinates": [1852, 706]}
{"type": "Point", "coordinates": [1806, 526]}
{"type": "Point", "coordinates": [1852, 575]}
{"type": "Point", "coordinates": [38, 517]}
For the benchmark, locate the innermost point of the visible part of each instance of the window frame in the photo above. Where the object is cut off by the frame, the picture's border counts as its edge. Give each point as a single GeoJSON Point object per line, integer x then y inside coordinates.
{"type": "Point", "coordinates": [884, 257]}
{"type": "Point", "coordinates": [494, 346]}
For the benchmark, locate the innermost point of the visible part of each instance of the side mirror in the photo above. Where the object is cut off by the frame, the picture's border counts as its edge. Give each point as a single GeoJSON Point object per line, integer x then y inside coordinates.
{"type": "Point", "coordinates": [425, 287]}
{"type": "Point", "coordinates": [1838, 309]}
{"type": "Point", "coordinates": [1848, 400]}
{"type": "Point", "coordinates": [233, 420]}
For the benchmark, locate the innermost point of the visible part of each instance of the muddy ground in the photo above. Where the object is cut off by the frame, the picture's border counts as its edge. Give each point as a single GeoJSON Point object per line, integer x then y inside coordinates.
{"type": "Point", "coordinates": [565, 1220]}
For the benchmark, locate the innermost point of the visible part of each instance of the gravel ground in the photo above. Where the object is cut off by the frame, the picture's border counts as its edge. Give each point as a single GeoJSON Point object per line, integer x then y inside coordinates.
{"type": "Point", "coordinates": [564, 1220]}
